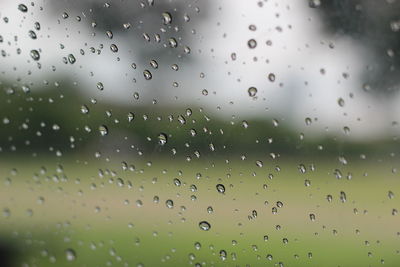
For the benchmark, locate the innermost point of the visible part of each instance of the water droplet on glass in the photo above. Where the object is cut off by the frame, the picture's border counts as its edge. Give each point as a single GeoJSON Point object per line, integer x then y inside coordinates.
{"type": "Point", "coordinates": [172, 42]}
{"type": "Point", "coordinates": [70, 254]}
{"type": "Point", "coordinates": [32, 34]}
{"type": "Point", "coordinates": [35, 55]}
{"type": "Point", "coordinates": [341, 102]}
{"type": "Point", "coordinates": [220, 188]}
{"type": "Point", "coordinates": [252, 91]}
{"type": "Point", "coordinates": [162, 139]}
{"type": "Point", "coordinates": [204, 225]}
{"type": "Point", "coordinates": [109, 34]}
{"type": "Point", "coordinates": [100, 86]}
{"type": "Point", "coordinates": [114, 48]}
{"type": "Point", "coordinates": [314, 3]}
{"type": "Point", "coordinates": [147, 75]}
{"type": "Point", "coordinates": [103, 130]}
{"type": "Point", "coordinates": [169, 203]}
{"type": "Point", "coordinates": [271, 77]}
{"type": "Point", "coordinates": [252, 43]}
{"type": "Point", "coordinates": [84, 109]}
{"type": "Point", "coordinates": [312, 217]}
{"type": "Point", "coordinates": [71, 58]}
{"type": "Point", "coordinates": [22, 8]}
{"type": "Point", "coordinates": [167, 18]}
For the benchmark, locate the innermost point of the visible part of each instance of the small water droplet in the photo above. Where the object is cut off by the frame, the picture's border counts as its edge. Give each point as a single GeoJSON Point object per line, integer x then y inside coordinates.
{"type": "Point", "coordinates": [314, 3]}
{"type": "Point", "coordinates": [341, 102]}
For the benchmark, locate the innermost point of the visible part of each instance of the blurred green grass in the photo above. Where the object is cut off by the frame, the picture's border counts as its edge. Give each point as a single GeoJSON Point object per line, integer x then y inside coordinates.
{"type": "Point", "coordinates": [102, 222]}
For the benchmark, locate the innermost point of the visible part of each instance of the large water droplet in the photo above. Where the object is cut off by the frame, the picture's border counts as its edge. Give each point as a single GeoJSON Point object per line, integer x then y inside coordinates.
{"type": "Point", "coordinates": [114, 48]}
{"type": "Point", "coordinates": [162, 139]}
{"type": "Point", "coordinates": [71, 58]}
{"type": "Point", "coordinates": [252, 43]}
{"type": "Point", "coordinates": [169, 203]}
{"type": "Point", "coordinates": [252, 91]}
{"type": "Point", "coordinates": [167, 18]}
{"type": "Point", "coordinates": [204, 225]}
{"type": "Point", "coordinates": [22, 8]}
{"type": "Point", "coordinates": [103, 130]}
{"type": "Point", "coordinates": [220, 188]}
{"type": "Point", "coordinates": [70, 254]}
{"type": "Point", "coordinates": [147, 75]}
{"type": "Point", "coordinates": [35, 55]}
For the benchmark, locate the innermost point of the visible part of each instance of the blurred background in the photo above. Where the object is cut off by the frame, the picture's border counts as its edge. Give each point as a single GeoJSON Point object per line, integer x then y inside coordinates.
{"type": "Point", "coordinates": [205, 133]}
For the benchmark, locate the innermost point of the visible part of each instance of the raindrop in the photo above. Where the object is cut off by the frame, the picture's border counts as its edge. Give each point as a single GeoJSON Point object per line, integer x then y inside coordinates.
{"type": "Point", "coordinates": [204, 225]}
{"type": "Point", "coordinates": [162, 139]}
{"type": "Point", "coordinates": [84, 109]}
{"type": "Point", "coordinates": [220, 188]}
{"type": "Point", "coordinates": [169, 203]}
{"type": "Point", "coordinates": [71, 58]}
{"type": "Point", "coordinates": [252, 43]}
{"type": "Point", "coordinates": [341, 102]}
{"type": "Point", "coordinates": [22, 8]}
{"type": "Point", "coordinates": [167, 18]}
{"type": "Point", "coordinates": [131, 116]}
{"type": "Point", "coordinates": [32, 34]}
{"type": "Point", "coordinates": [252, 91]}
{"type": "Point", "coordinates": [147, 75]}
{"type": "Point", "coordinates": [100, 86]}
{"type": "Point", "coordinates": [35, 55]}
{"type": "Point", "coordinates": [37, 25]}
{"type": "Point", "coordinates": [314, 3]}
{"type": "Point", "coordinates": [103, 130]}
{"type": "Point", "coordinates": [114, 48]}
{"type": "Point", "coordinates": [271, 77]}
{"type": "Point", "coordinates": [70, 254]}
{"type": "Point", "coordinates": [109, 35]}
{"type": "Point", "coordinates": [172, 42]}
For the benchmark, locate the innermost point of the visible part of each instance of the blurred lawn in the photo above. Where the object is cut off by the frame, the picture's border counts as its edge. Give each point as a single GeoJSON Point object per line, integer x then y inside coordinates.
{"type": "Point", "coordinates": [102, 222]}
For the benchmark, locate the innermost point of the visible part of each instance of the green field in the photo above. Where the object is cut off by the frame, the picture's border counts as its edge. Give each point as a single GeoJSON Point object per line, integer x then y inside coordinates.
{"type": "Point", "coordinates": [48, 210]}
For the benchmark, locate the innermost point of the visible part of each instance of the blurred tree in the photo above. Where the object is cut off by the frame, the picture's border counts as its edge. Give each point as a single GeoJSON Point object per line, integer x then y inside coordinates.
{"type": "Point", "coordinates": [376, 24]}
